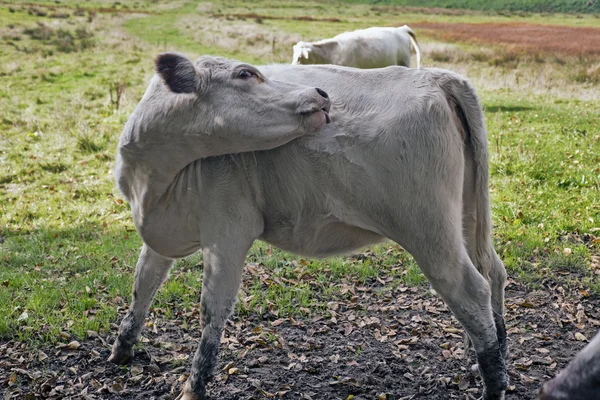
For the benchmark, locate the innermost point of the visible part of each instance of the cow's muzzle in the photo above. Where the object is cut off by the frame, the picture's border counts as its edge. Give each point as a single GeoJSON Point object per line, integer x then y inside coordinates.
{"type": "Point", "coordinates": [319, 102]}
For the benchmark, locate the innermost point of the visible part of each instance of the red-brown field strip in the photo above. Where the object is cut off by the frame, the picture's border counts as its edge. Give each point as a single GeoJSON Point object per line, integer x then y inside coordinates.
{"type": "Point", "coordinates": [583, 41]}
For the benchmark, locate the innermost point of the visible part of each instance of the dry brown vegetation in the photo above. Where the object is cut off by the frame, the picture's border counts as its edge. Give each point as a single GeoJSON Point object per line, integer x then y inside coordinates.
{"type": "Point", "coordinates": [579, 41]}
{"type": "Point", "coordinates": [257, 17]}
{"type": "Point", "coordinates": [50, 10]}
{"type": "Point", "coordinates": [494, 67]}
{"type": "Point", "coordinates": [517, 56]}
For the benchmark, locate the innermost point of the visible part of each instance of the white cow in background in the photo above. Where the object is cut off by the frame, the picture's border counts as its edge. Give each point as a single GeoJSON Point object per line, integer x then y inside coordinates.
{"type": "Point", "coordinates": [363, 48]}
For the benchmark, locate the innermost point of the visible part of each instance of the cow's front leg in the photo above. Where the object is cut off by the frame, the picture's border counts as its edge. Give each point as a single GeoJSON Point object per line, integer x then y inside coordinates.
{"type": "Point", "coordinates": [151, 271]}
{"type": "Point", "coordinates": [223, 266]}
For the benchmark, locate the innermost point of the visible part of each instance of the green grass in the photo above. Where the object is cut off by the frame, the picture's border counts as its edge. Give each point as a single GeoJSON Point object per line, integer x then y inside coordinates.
{"type": "Point", "coordinates": [67, 244]}
{"type": "Point", "coordinates": [545, 180]}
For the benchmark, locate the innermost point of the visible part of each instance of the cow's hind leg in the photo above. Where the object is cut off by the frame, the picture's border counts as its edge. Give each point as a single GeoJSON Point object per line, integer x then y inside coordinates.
{"type": "Point", "coordinates": [496, 271]}
{"type": "Point", "coordinates": [223, 266]}
{"type": "Point", "coordinates": [484, 256]}
{"type": "Point", "coordinates": [150, 273]}
{"type": "Point", "coordinates": [469, 297]}
{"type": "Point", "coordinates": [498, 278]}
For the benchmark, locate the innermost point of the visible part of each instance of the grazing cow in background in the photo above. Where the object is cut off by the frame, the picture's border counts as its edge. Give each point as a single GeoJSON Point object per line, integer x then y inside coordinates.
{"type": "Point", "coordinates": [363, 48]}
{"type": "Point", "coordinates": [317, 160]}
{"type": "Point", "coordinates": [580, 380]}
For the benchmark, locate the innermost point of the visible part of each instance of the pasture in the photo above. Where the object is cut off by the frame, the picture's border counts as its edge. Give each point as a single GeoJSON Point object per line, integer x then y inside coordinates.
{"type": "Point", "coordinates": [363, 326]}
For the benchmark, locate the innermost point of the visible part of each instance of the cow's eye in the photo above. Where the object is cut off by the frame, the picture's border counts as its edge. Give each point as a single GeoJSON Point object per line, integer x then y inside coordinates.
{"type": "Point", "coordinates": [246, 73]}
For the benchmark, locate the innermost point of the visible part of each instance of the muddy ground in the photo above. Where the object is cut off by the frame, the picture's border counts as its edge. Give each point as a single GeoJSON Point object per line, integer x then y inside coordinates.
{"type": "Point", "coordinates": [374, 343]}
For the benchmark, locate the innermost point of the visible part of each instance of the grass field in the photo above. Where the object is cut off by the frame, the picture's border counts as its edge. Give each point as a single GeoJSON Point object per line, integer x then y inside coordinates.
{"type": "Point", "coordinates": [70, 77]}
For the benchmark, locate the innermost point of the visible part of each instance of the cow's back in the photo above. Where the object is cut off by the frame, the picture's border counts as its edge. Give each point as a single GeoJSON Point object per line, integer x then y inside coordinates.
{"type": "Point", "coordinates": [373, 48]}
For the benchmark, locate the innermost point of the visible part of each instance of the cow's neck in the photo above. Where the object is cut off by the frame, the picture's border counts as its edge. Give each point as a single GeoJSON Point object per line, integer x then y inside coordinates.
{"type": "Point", "coordinates": [160, 200]}
{"type": "Point", "coordinates": [324, 50]}
{"type": "Point", "coordinates": [151, 182]}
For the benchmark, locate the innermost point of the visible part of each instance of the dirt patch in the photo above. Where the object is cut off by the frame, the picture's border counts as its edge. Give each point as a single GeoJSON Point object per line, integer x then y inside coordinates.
{"type": "Point", "coordinates": [583, 41]}
{"type": "Point", "coordinates": [403, 343]}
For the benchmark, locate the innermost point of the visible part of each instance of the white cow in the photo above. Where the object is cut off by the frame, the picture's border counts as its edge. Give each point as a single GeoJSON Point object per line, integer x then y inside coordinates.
{"type": "Point", "coordinates": [363, 48]}
{"type": "Point", "coordinates": [318, 160]}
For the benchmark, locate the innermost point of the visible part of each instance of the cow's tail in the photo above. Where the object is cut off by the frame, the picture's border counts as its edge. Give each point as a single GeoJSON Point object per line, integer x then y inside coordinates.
{"type": "Point", "coordinates": [413, 41]}
{"type": "Point", "coordinates": [467, 108]}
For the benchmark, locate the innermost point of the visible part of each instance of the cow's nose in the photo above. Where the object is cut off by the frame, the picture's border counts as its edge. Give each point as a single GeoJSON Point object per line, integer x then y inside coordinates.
{"type": "Point", "coordinates": [322, 93]}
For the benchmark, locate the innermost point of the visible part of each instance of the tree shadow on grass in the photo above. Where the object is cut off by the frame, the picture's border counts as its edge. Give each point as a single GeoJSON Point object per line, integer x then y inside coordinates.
{"type": "Point", "coordinates": [69, 250]}
{"type": "Point", "coordinates": [74, 280]}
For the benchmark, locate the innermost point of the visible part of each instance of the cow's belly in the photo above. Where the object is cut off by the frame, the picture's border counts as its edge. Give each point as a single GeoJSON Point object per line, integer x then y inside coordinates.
{"type": "Point", "coordinates": [318, 238]}
{"type": "Point", "coordinates": [172, 235]}
{"type": "Point", "coordinates": [370, 54]}
{"type": "Point", "coordinates": [367, 61]}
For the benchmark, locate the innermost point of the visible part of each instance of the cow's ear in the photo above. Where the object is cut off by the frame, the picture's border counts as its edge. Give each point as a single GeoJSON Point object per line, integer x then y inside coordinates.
{"type": "Point", "coordinates": [178, 72]}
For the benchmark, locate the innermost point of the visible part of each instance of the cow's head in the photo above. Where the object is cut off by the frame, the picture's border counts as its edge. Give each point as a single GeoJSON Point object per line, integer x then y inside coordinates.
{"type": "Point", "coordinates": [302, 52]}
{"type": "Point", "coordinates": [321, 52]}
{"type": "Point", "coordinates": [219, 106]}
